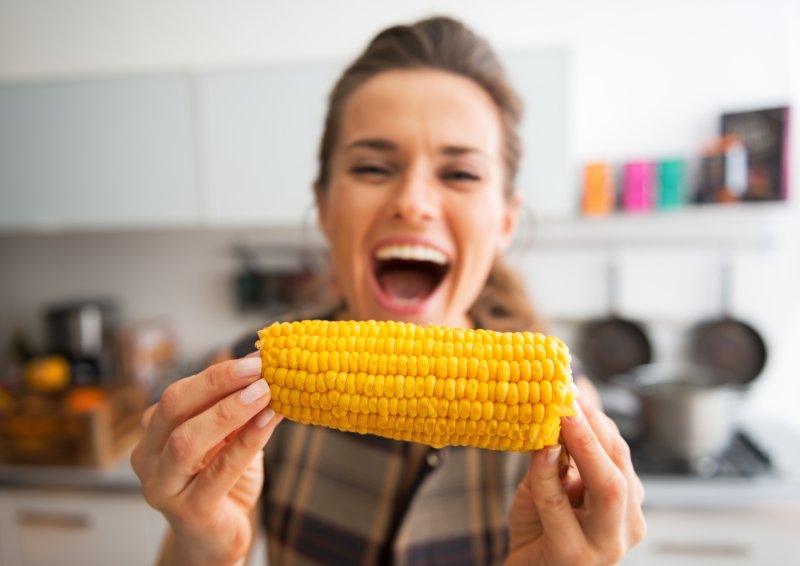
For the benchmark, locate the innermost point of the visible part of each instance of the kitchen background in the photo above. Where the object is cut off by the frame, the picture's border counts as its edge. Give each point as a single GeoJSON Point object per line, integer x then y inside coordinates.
{"type": "Point", "coordinates": [612, 81]}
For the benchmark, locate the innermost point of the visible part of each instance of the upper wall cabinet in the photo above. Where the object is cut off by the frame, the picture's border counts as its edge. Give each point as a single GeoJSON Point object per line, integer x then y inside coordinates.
{"type": "Point", "coordinates": [103, 153]}
{"type": "Point", "coordinates": [545, 178]}
{"type": "Point", "coordinates": [221, 147]}
{"type": "Point", "coordinates": [261, 131]}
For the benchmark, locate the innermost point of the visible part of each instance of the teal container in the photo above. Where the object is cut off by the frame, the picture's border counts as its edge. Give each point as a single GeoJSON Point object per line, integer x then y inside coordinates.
{"type": "Point", "coordinates": [671, 188]}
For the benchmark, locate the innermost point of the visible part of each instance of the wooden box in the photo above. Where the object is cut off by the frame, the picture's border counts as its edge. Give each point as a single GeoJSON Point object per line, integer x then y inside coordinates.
{"type": "Point", "coordinates": [38, 431]}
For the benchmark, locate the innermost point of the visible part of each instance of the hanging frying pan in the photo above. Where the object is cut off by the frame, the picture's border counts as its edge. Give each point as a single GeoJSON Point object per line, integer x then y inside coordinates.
{"type": "Point", "coordinates": [732, 347]}
{"type": "Point", "coordinates": [613, 345]}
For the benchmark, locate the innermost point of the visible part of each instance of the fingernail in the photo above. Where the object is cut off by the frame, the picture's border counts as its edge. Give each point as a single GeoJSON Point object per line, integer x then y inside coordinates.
{"type": "Point", "coordinates": [574, 388]}
{"type": "Point", "coordinates": [264, 417]}
{"type": "Point", "coordinates": [254, 391]}
{"type": "Point", "coordinates": [578, 416]}
{"type": "Point", "coordinates": [247, 367]}
{"type": "Point", "coordinates": [552, 454]}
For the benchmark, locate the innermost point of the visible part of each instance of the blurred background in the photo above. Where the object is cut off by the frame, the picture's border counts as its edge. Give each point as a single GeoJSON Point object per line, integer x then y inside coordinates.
{"type": "Point", "coordinates": [156, 161]}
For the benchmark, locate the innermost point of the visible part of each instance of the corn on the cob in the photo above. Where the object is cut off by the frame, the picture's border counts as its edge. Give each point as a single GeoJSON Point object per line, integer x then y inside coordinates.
{"type": "Point", "coordinates": [435, 385]}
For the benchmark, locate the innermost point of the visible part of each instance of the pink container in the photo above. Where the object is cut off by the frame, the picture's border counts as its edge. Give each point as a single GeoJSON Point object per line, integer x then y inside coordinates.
{"type": "Point", "coordinates": [638, 181]}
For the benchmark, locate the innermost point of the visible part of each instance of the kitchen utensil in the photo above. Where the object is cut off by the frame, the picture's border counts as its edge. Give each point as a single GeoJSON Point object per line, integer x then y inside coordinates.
{"type": "Point", "coordinates": [687, 411]}
{"type": "Point", "coordinates": [613, 345]}
{"type": "Point", "coordinates": [732, 347]}
{"type": "Point", "coordinates": [84, 333]}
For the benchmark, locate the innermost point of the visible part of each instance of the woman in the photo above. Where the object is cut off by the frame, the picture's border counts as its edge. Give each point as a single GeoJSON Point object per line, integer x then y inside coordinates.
{"type": "Point", "coordinates": [416, 197]}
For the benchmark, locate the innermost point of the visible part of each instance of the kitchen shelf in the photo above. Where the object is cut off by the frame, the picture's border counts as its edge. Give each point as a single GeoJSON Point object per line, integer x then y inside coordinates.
{"type": "Point", "coordinates": [748, 225]}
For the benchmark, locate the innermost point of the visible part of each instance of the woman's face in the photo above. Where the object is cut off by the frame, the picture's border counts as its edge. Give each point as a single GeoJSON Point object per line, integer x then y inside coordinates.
{"type": "Point", "coordinates": [415, 210]}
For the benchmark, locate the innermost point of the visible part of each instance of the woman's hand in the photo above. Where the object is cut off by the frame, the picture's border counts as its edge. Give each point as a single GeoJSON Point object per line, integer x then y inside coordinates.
{"type": "Point", "coordinates": [200, 459]}
{"type": "Point", "coordinates": [590, 516]}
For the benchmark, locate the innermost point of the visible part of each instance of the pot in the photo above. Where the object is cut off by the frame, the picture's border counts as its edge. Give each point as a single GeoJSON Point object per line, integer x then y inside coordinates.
{"type": "Point", "coordinates": [613, 345]}
{"type": "Point", "coordinates": [687, 411]}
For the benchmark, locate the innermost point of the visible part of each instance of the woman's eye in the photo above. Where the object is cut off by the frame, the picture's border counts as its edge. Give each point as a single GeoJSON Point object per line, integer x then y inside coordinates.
{"type": "Point", "coordinates": [370, 170]}
{"type": "Point", "coordinates": [461, 175]}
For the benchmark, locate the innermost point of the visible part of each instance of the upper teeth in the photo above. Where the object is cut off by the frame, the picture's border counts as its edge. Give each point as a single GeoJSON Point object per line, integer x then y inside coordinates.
{"type": "Point", "coordinates": [416, 252]}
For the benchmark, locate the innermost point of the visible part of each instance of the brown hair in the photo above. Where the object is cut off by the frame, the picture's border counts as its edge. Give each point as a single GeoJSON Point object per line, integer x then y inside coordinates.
{"type": "Point", "coordinates": [448, 45]}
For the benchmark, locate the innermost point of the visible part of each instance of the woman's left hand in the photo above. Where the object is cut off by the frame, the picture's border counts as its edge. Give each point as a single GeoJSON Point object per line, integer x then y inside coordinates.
{"type": "Point", "coordinates": [590, 516]}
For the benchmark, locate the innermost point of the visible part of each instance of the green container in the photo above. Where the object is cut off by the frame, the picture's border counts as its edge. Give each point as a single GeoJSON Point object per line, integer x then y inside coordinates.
{"type": "Point", "coordinates": [671, 183]}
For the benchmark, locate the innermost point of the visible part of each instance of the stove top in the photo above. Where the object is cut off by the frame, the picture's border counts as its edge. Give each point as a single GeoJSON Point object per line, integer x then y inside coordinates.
{"type": "Point", "coordinates": [743, 459]}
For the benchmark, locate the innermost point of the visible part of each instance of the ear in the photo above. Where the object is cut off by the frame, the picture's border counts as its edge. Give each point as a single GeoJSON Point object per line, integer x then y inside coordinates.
{"type": "Point", "coordinates": [510, 220]}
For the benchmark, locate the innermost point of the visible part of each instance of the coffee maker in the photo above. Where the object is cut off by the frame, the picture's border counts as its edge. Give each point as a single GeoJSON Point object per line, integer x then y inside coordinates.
{"type": "Point", "coordinates": [84, 332]}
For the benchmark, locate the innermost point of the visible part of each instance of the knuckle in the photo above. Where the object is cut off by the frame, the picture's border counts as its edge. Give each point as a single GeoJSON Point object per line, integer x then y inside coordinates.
{"type": "Point", "coordinates": [585, 442]}
{"type": "Point", "coordinates": [179, 443]}
{"type": "Point", "coordinates": [223, 414]}
{"type": "Point", "coordinates": [170, 402]}
{"type": "Point", "coordinates": [218, 375]}
{"type": "Point", "coordinates": [615, 488]}
{"type": "Point", "coordinates": [620, 451]}
{"type": "Point", "coordinates": [222, 466]}
{"type": "Point", "coordinates": [554, 501]}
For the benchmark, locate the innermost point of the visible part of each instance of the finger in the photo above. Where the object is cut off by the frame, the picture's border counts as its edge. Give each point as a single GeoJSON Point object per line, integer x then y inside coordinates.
{"type": "Point", "coordinates": [221, 475]}
{"type": "Point", "coordinates": [189, 443]}
{"type": "Point", "coordinates": [606, 486]}
{"type": "Point", "coordinates": [147, 415]}
{"type": "Point", "coordinates": [615, 446]}
{"type": "Point", "coordinates": [552, 503]}
{"type": "Point", "coordinates": [574, 487]}
{"type": "Point", "coordinates": [190, 396]}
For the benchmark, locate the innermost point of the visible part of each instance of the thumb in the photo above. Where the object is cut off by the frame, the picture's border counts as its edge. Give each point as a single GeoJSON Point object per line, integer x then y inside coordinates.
{"type": "Point", "coordinates": [550, 498]}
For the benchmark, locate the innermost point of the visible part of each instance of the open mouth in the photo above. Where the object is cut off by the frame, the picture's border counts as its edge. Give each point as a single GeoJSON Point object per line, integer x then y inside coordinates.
{"type": "Point", "coordinates": [408, 275]}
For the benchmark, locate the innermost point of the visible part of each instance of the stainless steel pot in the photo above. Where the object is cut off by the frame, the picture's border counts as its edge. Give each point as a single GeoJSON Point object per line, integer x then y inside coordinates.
{"type": "Point", "coordinates": [688, 411]}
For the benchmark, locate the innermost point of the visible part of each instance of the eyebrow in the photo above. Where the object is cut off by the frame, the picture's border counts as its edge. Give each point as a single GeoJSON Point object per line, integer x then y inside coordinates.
{"type": "Point", "coordinates": [381, 144]}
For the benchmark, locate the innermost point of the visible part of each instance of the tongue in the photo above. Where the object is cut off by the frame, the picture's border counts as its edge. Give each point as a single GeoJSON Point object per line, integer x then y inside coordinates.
{"type": "Point", "coordinates": [407, 284]}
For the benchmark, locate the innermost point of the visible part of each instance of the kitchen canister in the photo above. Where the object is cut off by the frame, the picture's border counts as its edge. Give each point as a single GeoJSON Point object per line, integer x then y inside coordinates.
{"type": "Point", "coordinates": [638, 186]}
{"type": "Point", "coordinates": [671, 183]}
{"type": "Point", "coordinates": [598, 189]}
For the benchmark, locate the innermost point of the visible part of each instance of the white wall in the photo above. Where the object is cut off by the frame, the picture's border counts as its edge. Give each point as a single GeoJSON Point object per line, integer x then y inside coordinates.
{"type": "Point", "coordinates": [646, 79]}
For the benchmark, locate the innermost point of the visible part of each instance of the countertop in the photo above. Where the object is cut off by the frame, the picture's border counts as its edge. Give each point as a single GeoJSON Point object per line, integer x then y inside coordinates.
{"type": "Point", "coordinates": [120, 477]}
{"type": "Point", "coordinates": [779, 488]}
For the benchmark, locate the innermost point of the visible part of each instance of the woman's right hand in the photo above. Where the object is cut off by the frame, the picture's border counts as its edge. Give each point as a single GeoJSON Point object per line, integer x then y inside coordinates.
{"type": "Point", "coordinates": [200, 459]}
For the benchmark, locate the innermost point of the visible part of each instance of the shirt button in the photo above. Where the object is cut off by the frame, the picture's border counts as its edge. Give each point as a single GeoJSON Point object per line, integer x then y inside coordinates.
{"type": "Point", "coordinates": [433, 459]}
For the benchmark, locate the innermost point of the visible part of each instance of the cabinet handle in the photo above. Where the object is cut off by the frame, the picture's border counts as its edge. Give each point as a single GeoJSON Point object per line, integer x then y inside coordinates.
{"type": "Point", "coordinates": [706, 549]}
{"type": "Point", "coordinates": [47, 519]}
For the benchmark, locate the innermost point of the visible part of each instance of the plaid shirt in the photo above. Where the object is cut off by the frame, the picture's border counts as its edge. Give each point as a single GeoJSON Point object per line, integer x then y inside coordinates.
{"type": "Point", "coordinates": [341, 498]}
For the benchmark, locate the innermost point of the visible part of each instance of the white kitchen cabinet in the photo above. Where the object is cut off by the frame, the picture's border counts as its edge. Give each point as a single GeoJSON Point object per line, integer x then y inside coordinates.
{"type": "Point", "coordinates": [98, 153]}
{"type": "Point", "coordinates": [91, 528]}
{"type": "Point", "coordinates": [734, 537]}
{"type": "Point", "coordinates": [261, 130]}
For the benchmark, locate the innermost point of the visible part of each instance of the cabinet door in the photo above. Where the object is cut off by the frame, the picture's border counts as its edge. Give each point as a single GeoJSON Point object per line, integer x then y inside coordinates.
{"type": "Point", "coordinates": [44, 528]}
{"type": "Point", "coordinates": [100, 153]}
{"type": "Point", "coordinates": [545, 180]}
{"type": "Point", "coordinates": [724, 538]}
{"type": "Point", "coordinates": [261, 130]}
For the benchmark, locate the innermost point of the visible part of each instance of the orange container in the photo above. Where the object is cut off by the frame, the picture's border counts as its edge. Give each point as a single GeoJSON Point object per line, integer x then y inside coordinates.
{"type": "Point", "coordinates": [598, 189]}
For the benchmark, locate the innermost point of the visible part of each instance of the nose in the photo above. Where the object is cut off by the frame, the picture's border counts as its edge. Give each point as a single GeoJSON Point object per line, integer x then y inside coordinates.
{"type": "Point", "coordinates": [414, 199]}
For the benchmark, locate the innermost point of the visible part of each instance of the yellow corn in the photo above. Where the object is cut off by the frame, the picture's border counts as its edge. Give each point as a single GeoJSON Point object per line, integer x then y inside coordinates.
{"type": "Point", "coordinates": [435, 385]}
